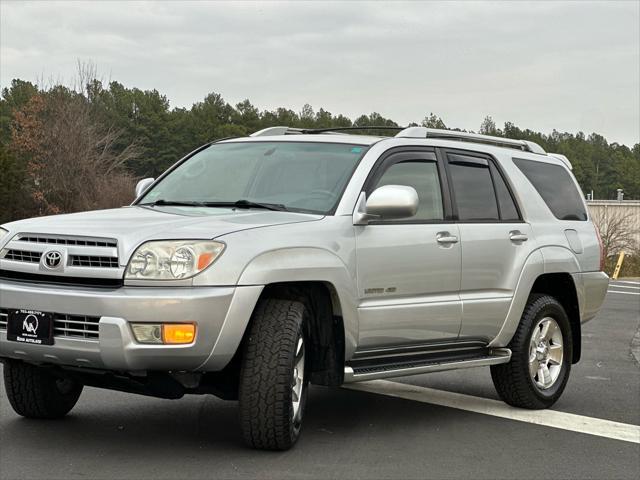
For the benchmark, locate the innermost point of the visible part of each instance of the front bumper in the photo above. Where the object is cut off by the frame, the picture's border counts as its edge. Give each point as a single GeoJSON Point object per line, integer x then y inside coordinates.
{"type": "Point", "coordinates": [221, 315]}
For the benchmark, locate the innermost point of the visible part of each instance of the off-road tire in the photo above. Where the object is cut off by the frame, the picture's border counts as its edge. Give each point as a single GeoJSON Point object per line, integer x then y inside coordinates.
{"type": "Point", "coordinates": [34, 392]}
{"type": "Point", "coordinates": [512, 380]}
{"type": "Point", "coordinates": [268, 361]}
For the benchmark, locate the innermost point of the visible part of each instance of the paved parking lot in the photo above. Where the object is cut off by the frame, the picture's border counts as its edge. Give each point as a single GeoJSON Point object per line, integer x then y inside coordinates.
{"type": "Point", "coordinates": [357, 434]}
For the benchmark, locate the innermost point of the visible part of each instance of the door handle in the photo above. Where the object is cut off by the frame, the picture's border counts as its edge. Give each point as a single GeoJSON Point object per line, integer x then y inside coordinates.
{"type": "Point", "coordinates": [518, 237]}
{"type": "Point", "coordinates": [446, 238]}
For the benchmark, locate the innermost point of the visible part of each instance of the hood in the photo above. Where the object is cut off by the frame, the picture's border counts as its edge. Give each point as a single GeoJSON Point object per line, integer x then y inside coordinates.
{"type": "Point", "coordinates": [134, 225]}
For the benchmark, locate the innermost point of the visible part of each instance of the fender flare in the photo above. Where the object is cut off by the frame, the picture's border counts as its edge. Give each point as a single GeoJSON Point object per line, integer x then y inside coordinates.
{"type": "Point", "coordinates": [309, 264]}
{"type": "Point", "coordinates": [549, 259]}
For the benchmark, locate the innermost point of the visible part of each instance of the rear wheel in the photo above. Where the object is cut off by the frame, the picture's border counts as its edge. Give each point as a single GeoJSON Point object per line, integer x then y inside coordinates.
{"type": "Point", "coordinates": [541, 356]}
{"type": "Point", "coordinates": [34, 392]}
{"type": "Point", "coordinates": [273, 380]}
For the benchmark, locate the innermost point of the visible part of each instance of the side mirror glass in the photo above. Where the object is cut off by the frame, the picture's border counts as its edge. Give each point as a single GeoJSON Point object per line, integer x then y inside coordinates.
{"type": "Point", "coordinates": [143, 185]}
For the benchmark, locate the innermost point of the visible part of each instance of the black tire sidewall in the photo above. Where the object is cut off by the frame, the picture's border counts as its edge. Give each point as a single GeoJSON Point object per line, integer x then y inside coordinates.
{"type": "Point", "coordinates": [34, 392]}
{"type": "Point", "coordinates": [266, 374]}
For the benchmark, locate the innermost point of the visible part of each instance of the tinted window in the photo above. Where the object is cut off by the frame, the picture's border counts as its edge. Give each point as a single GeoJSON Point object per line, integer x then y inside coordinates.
{"type": "Point", "coordinates": [423, 176]}
{"type": "Point", "coordinates": [556, 187]}
{"type": "Point", "coordinates": [508, 210]}
{"type": "Point", "coordinates": [473, 188]}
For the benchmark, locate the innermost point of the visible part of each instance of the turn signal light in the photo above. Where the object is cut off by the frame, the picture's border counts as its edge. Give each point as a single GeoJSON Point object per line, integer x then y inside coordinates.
{"type": "Point", "coordinates": [205, 259]}
{"type": "Point", "coordinates": [178, 333]}
{"type": "Point", "coordinates": [164, 333]}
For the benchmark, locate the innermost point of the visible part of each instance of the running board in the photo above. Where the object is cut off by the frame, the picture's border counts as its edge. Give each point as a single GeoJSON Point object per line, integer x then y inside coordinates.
{"type": "Point", "coordinates": [371, 372]}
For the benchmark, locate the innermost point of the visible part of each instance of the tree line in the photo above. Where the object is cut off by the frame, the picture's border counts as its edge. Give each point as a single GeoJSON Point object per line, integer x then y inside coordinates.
{"type": "Point", "coordinates": [72, 148]}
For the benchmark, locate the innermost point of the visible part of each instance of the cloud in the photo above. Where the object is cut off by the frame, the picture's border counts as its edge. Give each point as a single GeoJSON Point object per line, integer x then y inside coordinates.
{"type": "Point", "coordinates": [565, 65]}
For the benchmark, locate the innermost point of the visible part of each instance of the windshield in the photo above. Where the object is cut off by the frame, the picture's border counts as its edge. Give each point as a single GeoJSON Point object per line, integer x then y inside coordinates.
{"type": "Point", "coordinates": [294, 176]}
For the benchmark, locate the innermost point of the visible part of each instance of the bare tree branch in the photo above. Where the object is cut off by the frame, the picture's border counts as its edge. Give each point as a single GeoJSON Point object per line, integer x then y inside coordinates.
{"type": "Point", "coordinates": [615, 229]}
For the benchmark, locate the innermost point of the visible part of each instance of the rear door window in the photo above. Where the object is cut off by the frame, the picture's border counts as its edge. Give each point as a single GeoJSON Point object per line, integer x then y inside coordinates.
{"type": "Point", "coordinates": [473, 189]}
{"type": "Point", "coordinates": [556, 187]}
{"type": "Point", "coordinates": [508, 210]}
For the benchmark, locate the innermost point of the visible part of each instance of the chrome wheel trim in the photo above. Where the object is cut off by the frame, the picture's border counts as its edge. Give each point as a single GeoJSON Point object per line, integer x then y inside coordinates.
{"type": "Point", "coordinates": [546, 353]}
{"type": "Point", "coordinates": [297, 381]}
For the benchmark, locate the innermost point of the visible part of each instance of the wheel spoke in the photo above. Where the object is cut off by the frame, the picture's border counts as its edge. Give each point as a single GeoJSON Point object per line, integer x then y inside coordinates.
{"type": "Point", "coordinates": [555, 354]}
{"type": "Point", "coordinates": [554, 332]}
{"type": "Point", "coordinates": [297, 381]}
{"type": "Point", "coordinates": [533, 366]}
{"type": "Point", "coordinates": [546, 376]}
{"type": "Point", "coordinates": [535, 338]}
{"type": "Point", "coordinates": [545, 326]}
{"type": "Point", "coordinates": [532, 353]}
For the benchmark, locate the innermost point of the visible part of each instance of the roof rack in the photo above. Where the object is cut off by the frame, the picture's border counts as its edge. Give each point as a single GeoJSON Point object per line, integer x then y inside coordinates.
{"type": "Point", "coordinates": [414, 132]}
{"type": "Point", "coordinates": [265, 132]}
{"type": "Point", "coordinates": [298, 131]}
{"type": "Point", "coordinates": [423, 132]}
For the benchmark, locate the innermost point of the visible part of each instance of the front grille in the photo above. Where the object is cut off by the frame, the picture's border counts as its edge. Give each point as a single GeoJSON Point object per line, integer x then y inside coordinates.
{"type": "Point", "coordinates": [80, 254]}
{"type": "Point", "coordinates": [23, 256]}
{"type": "Point", "coordinates": [82, 242]}
{"type": "Point", "coordinates": [65, 325]}
{"type": "Point", "coordinates": [91, 261]}
{"type": "Point", "coordinates": [75, 326]}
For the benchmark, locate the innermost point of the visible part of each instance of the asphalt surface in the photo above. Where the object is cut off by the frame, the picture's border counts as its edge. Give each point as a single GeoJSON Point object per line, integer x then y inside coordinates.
{"type": "Point", "coordinates": [349, 434]}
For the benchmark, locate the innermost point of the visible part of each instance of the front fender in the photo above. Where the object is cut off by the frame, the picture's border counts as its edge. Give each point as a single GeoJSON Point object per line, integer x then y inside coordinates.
{"type": "Point", "coordinates": [308, 264]}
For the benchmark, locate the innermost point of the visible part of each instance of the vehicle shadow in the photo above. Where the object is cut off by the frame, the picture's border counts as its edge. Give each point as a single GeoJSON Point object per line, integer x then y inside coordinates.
{"type": "Point", "coordinates": [105, 420]}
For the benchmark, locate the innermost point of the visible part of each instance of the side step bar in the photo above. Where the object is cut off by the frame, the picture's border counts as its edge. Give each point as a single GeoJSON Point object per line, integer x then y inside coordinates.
{"type": "Point", "coordinates": [371, 372]}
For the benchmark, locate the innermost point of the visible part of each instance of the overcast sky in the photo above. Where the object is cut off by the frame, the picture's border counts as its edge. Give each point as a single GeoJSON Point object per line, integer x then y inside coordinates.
{"type": "Point", "coordinates": [565, 65]}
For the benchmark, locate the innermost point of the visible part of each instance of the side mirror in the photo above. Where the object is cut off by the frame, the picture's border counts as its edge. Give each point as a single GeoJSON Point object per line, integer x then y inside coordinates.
{"type": "Point", "coordinates": [389, 202]}
{"type": "Point", "coordinates": [143, 185]}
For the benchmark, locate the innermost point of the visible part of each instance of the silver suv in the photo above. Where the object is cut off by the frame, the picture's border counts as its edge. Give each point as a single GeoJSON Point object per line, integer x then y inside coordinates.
{"type": "Point", "coordinates": [255, 266]}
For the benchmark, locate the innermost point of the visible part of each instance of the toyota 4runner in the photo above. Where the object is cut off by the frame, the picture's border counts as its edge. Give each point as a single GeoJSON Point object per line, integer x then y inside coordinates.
{"type": "Point", "coordinates": [255, 266]}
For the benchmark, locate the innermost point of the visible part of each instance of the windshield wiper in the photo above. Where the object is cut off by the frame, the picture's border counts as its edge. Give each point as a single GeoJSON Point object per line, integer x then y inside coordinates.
{"type": "Point", "coordinates": [267, 206]}
{"type": "Point", "coordinates": [172, 203]}
{"type": "Point", "coordinates": [238, 204]}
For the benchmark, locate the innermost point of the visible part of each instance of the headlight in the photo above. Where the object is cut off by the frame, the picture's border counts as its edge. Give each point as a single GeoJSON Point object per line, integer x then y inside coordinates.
{"type": "Point", "coordinates": [3, 233]}
{"type": "Point", "coordinates": [172, 260]}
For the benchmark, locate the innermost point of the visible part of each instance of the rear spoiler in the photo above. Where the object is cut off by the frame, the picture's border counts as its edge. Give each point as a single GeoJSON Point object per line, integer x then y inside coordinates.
{"type": "Point", "coordinates": [562, 158]}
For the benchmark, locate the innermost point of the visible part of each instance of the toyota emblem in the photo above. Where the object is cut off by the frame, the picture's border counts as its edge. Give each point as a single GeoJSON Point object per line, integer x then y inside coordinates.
{"type": "Point", "coordinates": [52, 259]}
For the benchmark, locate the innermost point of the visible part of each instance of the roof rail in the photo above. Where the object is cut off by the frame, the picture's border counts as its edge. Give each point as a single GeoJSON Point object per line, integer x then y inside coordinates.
{"type": "Point", "coordinates": [277, 131]}
{"type": "Point", "coordinates": [298, 131]}
{"type": "Point", "coordinates": [348, 129]}
{"type": "Point", "coordinates": [424, 132]}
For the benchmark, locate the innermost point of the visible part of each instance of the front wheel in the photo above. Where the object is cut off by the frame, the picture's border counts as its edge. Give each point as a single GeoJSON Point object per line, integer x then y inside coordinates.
{"type": "Point", "coordinates": [273, 380]}
{"type": "Point", "coordinates": [35, 392]}
{"type": "Point", "coordinates": [541, 356]}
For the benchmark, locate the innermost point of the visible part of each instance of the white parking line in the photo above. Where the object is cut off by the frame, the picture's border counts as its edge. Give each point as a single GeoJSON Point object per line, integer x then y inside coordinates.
{"type": "Point", "coordinates": [626, 293]}
{"type": "Point", "coordinates": [629, 282]}
{"type": "Point", "coordinates": [548, 418]}
{"type": "Point", "coordinates": [624, 286]}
